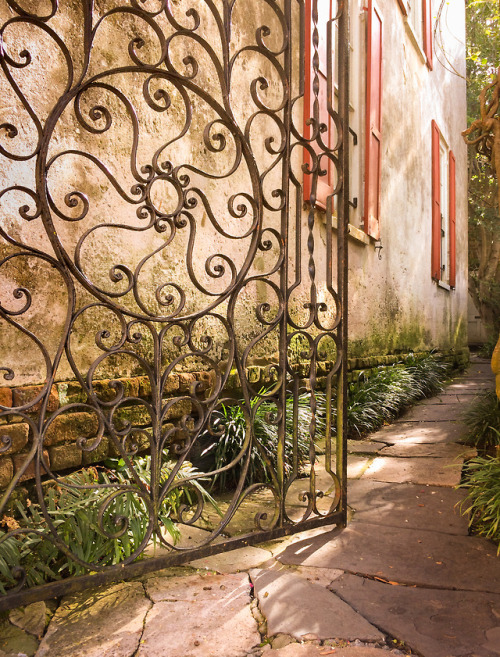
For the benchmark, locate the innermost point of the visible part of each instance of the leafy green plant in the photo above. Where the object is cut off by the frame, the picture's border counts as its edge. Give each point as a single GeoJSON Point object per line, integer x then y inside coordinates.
{"type": "Point", "coordinates": [486, 349]}
{"type": "Point", "coordinates": [381, 397]}
{"type": "Point", "coordinates": [482, 503]}
{"type": "Point", "coordinates": [230, 428]}
{"type": "Point", "coordinates": [372, 401]}
{"type": "Point", "coordinates": [483, 421]}
{"type": "Point", "coordinates": [74, 506]}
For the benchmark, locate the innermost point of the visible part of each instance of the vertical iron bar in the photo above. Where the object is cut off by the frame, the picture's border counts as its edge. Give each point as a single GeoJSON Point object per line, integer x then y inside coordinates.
{"type": "Point", "coordinates": [342, 251]}
{"type": "Point", "coordinates": [287, 116]}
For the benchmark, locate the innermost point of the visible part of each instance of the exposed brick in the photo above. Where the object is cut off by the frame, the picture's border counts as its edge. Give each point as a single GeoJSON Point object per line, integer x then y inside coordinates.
{"type": "Point", "coordinates": [99, 453]}
{"type": "Point", "coordinates": [207, 379]}
{"type": "Point", "coordinates": [71, 392]}
{"type": "Point", "coordinates": [177, 410]}
{"type": "Point", "coordinates": [6, 471]}
{"type": "Point", "coordinates": [29, 473]}
{"type": "Point", "coordinates": [254, 374]}
{"type": "Point", "coordinates": [106, 391]}
{"type": "Point", "coordinates": [68, 427]}
{"type": "Point", "coordinates": [65, 456]}
{"type": "Point", "coordinates": [25, 395]}
{"type": "Point", "coordinates": [144, 387]}
{"type": "Point", "coordinates": [171, 386]}
{"type": "Point", "coordinates": [186, 380]}
{"type": "Point", "coordinates": [233, 380]}
{"type": "Point", "coordinates": [11, 419]}
{"type": "Point", "coordinates": [6, 397]}
{"type": "Point", "coordinates": [18, 434]}
{"type": "Point", "coordinates": [352, 363]}
{"type": "Point", "coordinates": [137, 415]}
{"type": "Point", "coordinates": [140, 439]}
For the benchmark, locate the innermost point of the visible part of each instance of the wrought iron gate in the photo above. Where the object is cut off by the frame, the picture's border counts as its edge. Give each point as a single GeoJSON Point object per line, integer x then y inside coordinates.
{"type": "Point", "coordinates": [167, 293]}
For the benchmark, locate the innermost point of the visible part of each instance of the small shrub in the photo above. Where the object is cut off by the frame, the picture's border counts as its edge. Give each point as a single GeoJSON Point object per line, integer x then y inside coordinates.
{"type": "Point", "coordinates": [483, 421]}
{"type": "Point", "coordinates": [482, 481]}
{"type": "Point", "coordinates": [486, 349]}
{"type": "Point", "coordinates": [74, 504]}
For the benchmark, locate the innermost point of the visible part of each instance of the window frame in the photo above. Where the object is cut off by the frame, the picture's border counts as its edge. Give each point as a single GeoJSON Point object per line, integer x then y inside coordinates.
{"type": "Point", "coordinates": [443, 250]}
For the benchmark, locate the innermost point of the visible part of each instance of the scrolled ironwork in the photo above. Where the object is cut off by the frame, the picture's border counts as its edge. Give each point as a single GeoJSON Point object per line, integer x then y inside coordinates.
{"type": "Point", "coordinates": [153, 232]}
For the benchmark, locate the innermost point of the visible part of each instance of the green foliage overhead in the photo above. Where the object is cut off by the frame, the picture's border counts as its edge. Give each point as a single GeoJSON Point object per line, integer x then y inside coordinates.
{"type": "Point", "coordinates": [483, 49]}
{"type": "Point", "coordinates": [483, 59]}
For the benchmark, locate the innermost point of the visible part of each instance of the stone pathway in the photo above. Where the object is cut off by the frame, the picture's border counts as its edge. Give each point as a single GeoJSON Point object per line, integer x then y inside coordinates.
{"type": "Point", "coordinates": [403, 578]}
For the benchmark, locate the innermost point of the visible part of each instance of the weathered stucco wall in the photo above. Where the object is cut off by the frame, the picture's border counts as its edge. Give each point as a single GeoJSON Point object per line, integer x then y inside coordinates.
{"type": "Point", "coordinates": [394, 304]}
{"type": "Point", "coordinates": [117, 157]}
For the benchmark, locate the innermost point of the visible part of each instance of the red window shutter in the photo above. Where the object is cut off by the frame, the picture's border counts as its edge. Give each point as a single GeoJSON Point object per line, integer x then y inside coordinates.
{"type": "Point", "coordinates": [427, 18]}
{"type": "Point", "coordinates": [436, 205]}
{"type": "Point", "coordinates": [452, 193]}
{"type": "Point", "coordinates": [373, 122]}
{"type": "Point", "coordinates": [325, 182]}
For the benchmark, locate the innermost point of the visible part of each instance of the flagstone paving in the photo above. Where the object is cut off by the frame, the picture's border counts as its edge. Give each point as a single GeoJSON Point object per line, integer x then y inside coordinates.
{"type": "Point", "coordinates": [295, 606]}
{"type": "Point", "coordinates": [421, 432]}
{"type": "Point", "coordinates": [434, 622]}
{"type": "Point", "coordinates": [431, 508]}
{"type": "Point", "coordinates": [403, 578]}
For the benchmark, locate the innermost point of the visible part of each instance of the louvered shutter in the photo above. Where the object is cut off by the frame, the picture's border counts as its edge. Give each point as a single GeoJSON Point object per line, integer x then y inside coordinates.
{"type": "Point", "coordinates": [373, 122]}
{"type": "Point", "coordinates": [436, 205]}
{"type": "Point", "coordinates": [452, 193]}
{"type": "Point", "coordinates": [326, 182]}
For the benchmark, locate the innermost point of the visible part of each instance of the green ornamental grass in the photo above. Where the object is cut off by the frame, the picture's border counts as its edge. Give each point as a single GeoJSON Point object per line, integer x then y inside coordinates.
{"type": "Point", "coordinates": [375, 399]}
{"type": "Point", "coordinates": [483, 421]}
{"type": "Point", "coordinates": [482, 503]}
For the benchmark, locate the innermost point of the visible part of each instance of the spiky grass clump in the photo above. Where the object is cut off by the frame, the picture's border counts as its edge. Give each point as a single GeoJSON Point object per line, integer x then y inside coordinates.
{"type": "Point", "coordinates": [482, 503]}
{"type": "Point", "coordinates": [372, 401]}
{"type": "Point", "coordinates": [381, 397]}
{"type": "Point", "coordinates": [483, 421]}
{"type": "Point", "coordinates": [487, 348]}
{"type": "Point", "coordinates": [230, 428]}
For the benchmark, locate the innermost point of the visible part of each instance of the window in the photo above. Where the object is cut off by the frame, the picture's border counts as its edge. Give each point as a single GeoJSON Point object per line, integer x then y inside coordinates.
{"type": "Point", "coordinates": [326, 182]}
{"type": "Point", "coordinates": [418, 16]}
{"type": "Point", "coordinates": [443, 210]}
{"type": "Point", "coordinates": [373, 149]}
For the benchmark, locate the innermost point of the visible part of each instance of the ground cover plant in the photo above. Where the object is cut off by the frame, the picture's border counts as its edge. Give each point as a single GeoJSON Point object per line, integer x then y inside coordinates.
{"type": "Point", "coordinates": [482, 503]}
{"type": "Point", "coordinates": [378, 398]}
{"type": "Point", "coordinates": [97, 529]}
{"type": "Point", "coordinates": [230, 428]}
{"type": "Point", "coordinates": [106, 538]}
{"type": "Point", "coordinates": [483, 421]}
{"type": "Point", "coordinates": [374, 399]}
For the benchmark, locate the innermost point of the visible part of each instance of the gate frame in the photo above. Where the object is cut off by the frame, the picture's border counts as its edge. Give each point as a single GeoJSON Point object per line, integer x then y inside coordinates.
{"type": "Point", "coordinates": [120, 572]}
